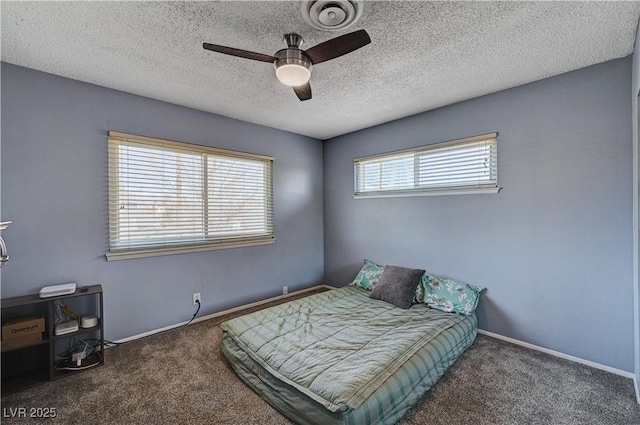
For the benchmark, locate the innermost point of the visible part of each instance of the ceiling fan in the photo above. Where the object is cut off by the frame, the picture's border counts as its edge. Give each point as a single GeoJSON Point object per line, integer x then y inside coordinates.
{"type": "Point", "coordinates": [293, 65]}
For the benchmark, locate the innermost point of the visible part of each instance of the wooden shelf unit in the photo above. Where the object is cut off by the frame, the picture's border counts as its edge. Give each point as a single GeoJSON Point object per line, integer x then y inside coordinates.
{"type": "Point", "coordinates": [35, 363]}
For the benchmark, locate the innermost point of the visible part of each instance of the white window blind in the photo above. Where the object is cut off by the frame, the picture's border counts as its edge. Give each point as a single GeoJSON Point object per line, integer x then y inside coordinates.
{"type": "Point", "coordinates": [461, 166]}
{"type": "Point", "coordinates": [168, 197]}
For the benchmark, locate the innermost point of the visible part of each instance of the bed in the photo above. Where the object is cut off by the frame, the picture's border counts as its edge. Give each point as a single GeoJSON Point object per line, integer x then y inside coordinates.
{"type": "Point", "coordinates": [339, 357]}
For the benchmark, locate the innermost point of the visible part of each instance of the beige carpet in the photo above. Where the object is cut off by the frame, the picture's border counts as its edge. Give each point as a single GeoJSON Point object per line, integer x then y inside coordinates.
{"type": "Point", "coordinates": [180, 377]}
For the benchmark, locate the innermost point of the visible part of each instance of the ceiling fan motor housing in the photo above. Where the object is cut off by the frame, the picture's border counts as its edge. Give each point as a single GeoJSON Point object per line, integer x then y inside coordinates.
{"type": "Point", "coordinates": [331, 15]}
{"type": "Point", "coordinates": [293, 68]}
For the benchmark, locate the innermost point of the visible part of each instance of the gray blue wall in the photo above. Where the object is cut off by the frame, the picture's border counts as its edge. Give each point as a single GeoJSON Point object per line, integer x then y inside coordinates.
{"type": "Point", "coordinates": [554, 248]}
{"type": "Point", "coordinates": [54, 188]}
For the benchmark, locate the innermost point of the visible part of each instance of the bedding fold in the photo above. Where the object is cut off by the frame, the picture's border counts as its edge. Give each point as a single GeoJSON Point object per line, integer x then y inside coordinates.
{"type": "Point", "coordinates": [337, 347]}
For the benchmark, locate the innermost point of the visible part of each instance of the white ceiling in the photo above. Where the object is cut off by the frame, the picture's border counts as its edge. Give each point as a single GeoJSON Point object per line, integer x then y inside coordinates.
{"type": "Point", "coordinates": [423, 55]}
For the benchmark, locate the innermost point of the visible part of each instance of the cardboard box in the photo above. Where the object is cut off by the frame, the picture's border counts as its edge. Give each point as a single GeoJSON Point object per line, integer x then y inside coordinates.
{"type": "Point", "coordinates": [22, 327]}
{"type": "Point", "coordinates": [22, 341]}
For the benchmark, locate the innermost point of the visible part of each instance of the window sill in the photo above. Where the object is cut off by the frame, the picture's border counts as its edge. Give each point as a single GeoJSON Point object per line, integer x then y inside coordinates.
{"type": "Point", "coordinates": [128, 254]}
{"type": "Point", "coordinates": [430, 193]}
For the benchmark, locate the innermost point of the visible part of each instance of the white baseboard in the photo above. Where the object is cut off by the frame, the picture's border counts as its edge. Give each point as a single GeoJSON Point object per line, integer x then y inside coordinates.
{"type": "Point", "coordinates": [635, 385]}
{"type": "Point", "coordinates": [222, 313]}
{"type": "Point", "coordinates": [562, 355]}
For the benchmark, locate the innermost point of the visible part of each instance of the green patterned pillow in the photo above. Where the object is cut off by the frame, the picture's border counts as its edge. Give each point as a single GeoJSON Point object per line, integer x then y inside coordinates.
{"type": "Point", "coordinates": [448, 295]}
{"type": "Point", "coordinates": [368, 276]}
{"type": "Point", "coordinates": [418, 297]}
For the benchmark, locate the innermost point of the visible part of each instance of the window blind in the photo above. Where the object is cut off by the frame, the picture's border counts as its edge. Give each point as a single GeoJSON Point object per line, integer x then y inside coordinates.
{"type": "Point", "coordinates": [170, 197]}
{"type": "Point", "coordinates": [461, 166]}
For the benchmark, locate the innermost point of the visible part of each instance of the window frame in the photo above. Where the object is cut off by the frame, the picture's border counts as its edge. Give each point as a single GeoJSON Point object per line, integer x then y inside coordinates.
{"type": "Point", "coordinates": [416, 189]}
{"type": "Point", "coordinates": [142, 250]}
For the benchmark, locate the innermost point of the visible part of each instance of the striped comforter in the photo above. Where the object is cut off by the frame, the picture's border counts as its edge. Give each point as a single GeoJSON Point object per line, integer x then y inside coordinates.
{"type": "Point", "coordinates": [352, 355]}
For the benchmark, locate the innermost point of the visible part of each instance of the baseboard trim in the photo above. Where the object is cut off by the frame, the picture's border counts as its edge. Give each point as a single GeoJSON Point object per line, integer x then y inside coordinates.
{"type": "Point", "coordinates": [635, 385]}
{"type": "Point", "coordinates": [563, 356]}
{"type": "Point", "coordinates": [222, 313]}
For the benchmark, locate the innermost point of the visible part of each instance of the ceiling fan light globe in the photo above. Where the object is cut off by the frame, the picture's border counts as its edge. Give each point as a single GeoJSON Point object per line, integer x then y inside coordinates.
{"type": "Point", "coordinates": [293, 75]}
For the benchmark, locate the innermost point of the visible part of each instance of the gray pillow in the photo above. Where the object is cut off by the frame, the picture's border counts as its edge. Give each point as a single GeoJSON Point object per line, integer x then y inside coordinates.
{"type": "Point", "coordinates": [397, 285]}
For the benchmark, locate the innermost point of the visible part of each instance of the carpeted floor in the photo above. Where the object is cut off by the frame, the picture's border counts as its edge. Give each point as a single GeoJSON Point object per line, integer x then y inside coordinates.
{"type": "Point", "coordinates": [180, 377]}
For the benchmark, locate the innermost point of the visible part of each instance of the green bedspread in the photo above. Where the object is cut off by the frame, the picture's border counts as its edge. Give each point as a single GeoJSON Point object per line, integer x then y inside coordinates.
{"type": "Point", "coordinates": [340, 348]}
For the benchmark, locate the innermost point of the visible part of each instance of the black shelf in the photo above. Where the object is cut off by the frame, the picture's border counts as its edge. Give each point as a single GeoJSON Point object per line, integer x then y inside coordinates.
{"type": "Point", "coordinates": [35, 298]}
{"type": "Point", "coordinates": [8, 350]}
{"type": "Point", "coordinates": [35, 363]}
{"type": "Point", "coordinates": [80, 331]}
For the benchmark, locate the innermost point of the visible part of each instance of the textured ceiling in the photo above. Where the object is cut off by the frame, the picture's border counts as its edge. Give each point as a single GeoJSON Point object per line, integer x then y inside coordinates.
{"type": "Point", "coordinates": [423, 55]}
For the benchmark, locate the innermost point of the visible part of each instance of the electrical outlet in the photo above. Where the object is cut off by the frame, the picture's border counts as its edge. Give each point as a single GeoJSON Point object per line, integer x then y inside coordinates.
{"type": "Point", "coordinates": [285, 290]}
{"type": "Point", "coordinates": [196, 298]}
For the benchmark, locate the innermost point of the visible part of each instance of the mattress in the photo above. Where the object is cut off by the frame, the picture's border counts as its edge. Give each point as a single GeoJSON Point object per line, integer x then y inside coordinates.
{"type": "Point", "coordinates": [339, 357]}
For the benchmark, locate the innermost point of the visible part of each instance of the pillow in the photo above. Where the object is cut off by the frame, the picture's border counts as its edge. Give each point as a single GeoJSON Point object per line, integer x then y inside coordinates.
{"type": "Point", "coordinates": [397, 286]}
{"type": "Point", "coordinates": [368, 276]}
{"type": "Point", "coordinates": [450, 295]}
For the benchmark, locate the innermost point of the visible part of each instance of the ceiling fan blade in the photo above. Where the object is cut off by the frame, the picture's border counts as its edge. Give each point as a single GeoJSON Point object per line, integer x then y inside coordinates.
{"type": "Point", "coordinates": [239, 53]}
{"type": "Point", "coordinates": [338, 46]}
{"type": "Point", "coordinates": [303, 92]}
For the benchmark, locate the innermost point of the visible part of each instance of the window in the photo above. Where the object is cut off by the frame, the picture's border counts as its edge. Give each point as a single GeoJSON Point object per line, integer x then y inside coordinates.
{"type": "Point", "coordinates": [169, 197]}
{"type": "Point", "coordinates": [460, 166]}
